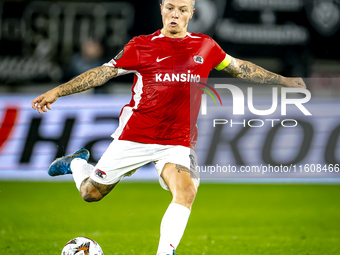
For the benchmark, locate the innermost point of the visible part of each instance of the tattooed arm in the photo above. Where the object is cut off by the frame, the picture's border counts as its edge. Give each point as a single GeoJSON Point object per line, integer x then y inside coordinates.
{"type": "Point", "coordinates": [92, 78]}
{"type": "Point", "coordinates": [253, 73]}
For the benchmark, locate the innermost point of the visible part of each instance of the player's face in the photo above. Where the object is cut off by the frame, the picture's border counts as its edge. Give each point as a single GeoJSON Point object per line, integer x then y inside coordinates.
{"type": "Point", "coordinates": [176, 15]}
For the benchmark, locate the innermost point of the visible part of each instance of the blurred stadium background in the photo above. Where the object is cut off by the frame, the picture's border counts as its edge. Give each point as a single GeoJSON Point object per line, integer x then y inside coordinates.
{"type": "Point", "coordinates": [45, 43]}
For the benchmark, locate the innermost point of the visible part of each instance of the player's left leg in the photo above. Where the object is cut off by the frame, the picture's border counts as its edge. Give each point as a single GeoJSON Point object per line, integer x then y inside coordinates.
{"type": "Point", "coordinates": [183, 188]}
{"type": "Point", "coordinates": [181, 185]}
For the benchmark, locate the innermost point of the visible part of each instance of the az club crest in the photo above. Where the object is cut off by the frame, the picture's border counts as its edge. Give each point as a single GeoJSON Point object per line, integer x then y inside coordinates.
{"type": "Point", "coordinates": [198, 59]}
{"type": "Point", "coordinates": [100, 173]}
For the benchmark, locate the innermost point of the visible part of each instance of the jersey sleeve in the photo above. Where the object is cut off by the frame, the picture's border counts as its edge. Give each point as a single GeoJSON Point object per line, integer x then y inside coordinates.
{"type": "Point", "coordinates": [221, 59]}
{"type": "Point", "coordinates": [127, 60]}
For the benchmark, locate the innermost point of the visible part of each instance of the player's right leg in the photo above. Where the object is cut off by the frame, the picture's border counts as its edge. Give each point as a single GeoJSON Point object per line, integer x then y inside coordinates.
{"type": "Point", "coordinates": [121, 158]}
{"type": "Point", "coordinates": [76, 164]}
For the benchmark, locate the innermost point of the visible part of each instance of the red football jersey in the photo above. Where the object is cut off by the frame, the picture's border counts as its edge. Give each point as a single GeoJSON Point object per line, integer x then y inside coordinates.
{"type": "Point", "coordinates": [165, 101]}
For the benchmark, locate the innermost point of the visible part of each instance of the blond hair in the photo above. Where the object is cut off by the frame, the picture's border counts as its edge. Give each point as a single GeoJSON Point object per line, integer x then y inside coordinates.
{"type": "Point", "coordinates": [192, 3]}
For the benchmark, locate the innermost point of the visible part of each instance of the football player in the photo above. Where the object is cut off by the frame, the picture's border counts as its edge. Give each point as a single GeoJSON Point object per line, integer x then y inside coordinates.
{"type": "Point", "coordinates": [155, 125]}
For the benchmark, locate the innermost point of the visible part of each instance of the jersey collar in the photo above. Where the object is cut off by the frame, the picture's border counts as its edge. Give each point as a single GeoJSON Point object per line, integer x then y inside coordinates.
{"type": "Point", "coordinates": [162, 36]}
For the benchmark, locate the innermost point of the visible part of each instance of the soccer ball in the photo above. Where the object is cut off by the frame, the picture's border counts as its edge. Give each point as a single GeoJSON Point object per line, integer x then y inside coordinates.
{"type": "Point", "coordinates": [82, 246]}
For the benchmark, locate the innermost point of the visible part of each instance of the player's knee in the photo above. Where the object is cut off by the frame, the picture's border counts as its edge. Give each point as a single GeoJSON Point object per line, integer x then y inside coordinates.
{"type": "Point", "coordinates": [190, 194]}
{"type": "Point", "coordinates": [186, 195]}
{"type": "Point", "coordinates": [90, 193]}
{"type": "Point", "coordinates": [91, 197]}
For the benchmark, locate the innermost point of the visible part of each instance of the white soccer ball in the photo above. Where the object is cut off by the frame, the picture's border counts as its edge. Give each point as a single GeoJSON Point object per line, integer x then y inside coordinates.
{"type": "Point", "coordinates": [82, 246]}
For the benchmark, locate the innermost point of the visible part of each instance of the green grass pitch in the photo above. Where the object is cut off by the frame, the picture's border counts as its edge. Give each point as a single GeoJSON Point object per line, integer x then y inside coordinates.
{"type": "Point", "coordinates": [39, 218]}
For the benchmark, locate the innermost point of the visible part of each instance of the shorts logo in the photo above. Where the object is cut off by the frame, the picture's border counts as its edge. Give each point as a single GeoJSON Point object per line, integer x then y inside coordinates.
{"type": "Point", "coordinates": [100, 174]}
{"type": "Point", "coordinates": [119, 55]}
{"type": "Point", "coordinates": [198, 59]}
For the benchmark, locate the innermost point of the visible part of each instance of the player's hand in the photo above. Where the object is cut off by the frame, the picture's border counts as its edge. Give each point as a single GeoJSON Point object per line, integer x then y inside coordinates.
{"type": "Point", "coordinates": [294, 83]}
{"type": "Point", "coordinates": [44, 101]}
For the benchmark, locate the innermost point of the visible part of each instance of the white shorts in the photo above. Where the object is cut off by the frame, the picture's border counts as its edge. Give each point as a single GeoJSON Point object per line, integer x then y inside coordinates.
{"type": "Point", "coordinates": [123, 158]}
